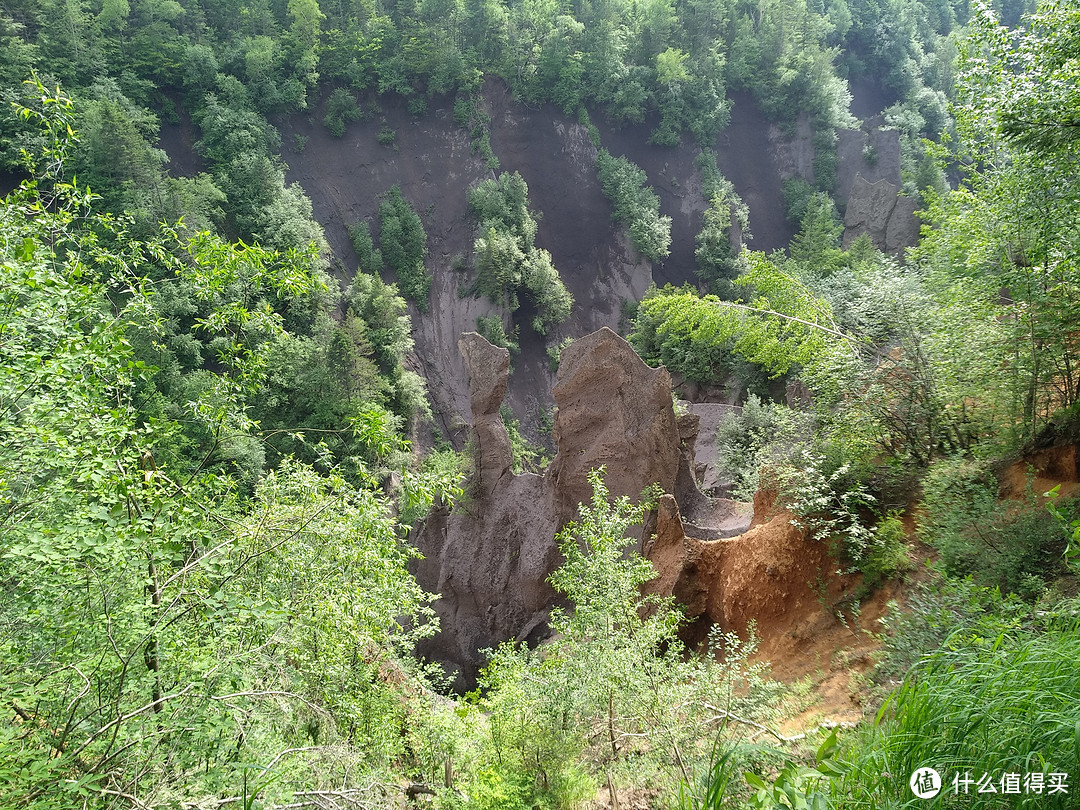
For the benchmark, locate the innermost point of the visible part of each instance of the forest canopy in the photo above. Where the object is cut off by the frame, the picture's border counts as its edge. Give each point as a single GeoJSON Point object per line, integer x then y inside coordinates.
{"type": "Point", "coordinates": [212, 470]}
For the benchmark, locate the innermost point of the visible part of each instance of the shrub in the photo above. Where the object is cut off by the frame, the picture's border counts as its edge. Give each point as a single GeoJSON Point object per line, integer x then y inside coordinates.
{"type": "Point", "coordinates": [554, 353]}
{"type": "Point", "coordinates": [717, 262]}
{"type": "Point", "coordinates": [887, 555]}
{"type": "Point", "coordinates": [492, 329]}
{"type": "Point", "coordinates": [746, 438]}
{"type": "Point", "coordinates": [505, 256]}
{"type": "Point", "coordinates": [527, 456]}
{"type": "Point", "coordinates": [995, 542]}
{"type": "Point", "coordinates": [635, 205]}
{"type": "Point", "coordinates": [369, 258]}
{"type": "Point", "coordinates": [682, 331]}
{"type": "Point", "coordinates": [827, 504]}
{"type": "Point", "coordinates": [341, 109]}
{"type": "Point", "coordinates": [797, 194]}
{"type": "Point", "coordinates": [615, 687]}
{"type": "Point", "coordinates": [404, 246]}
{"type": "Point", "coordinates": [590, 127]}
{"type": "Point", "coordinates": [463, 111]}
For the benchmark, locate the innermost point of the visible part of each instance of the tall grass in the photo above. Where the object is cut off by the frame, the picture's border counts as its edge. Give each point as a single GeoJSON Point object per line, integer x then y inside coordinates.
{"type": "Point", "coordinates": [979, 705]}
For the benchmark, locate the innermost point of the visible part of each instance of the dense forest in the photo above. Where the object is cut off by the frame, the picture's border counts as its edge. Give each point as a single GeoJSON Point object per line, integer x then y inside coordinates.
{"type": "Point", "coordinates": [217, 447]}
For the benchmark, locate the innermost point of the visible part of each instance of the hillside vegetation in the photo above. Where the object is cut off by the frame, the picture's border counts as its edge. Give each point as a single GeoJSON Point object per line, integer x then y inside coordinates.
{"type": "Point", "coordinates": [207, 485]}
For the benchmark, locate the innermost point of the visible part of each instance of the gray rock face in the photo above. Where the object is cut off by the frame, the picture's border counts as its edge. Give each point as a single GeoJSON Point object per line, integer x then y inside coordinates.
{"type": "Point", "coordinates": [871, 153]}
{"type": "Point", "coordinates": [903, 228]}
{"type": "Point", "coordinates": [870, 204]}
{"type": "Point", "coordinates": [868, 177]}
{"type": "Point", "coordinates": [614, 411]}
{"type": "Point", "coordinates": [877, 209]}
{"type": "Point", "coordinates": [488, 368]}
{"type": "Point", "coordinates": [489, 559]}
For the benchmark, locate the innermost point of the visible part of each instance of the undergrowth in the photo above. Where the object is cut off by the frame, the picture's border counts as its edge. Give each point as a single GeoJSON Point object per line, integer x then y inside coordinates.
{"type": "Point", "coordinates": [983, 707]}
{"type": "Point", "coordinates": [990, 700]}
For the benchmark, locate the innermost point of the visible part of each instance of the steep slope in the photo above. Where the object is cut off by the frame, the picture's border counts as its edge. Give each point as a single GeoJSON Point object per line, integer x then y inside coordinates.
{"type": "Point", "coordinates": [431, 159]}
{"type": "Point", "coordinates": [432, 162]}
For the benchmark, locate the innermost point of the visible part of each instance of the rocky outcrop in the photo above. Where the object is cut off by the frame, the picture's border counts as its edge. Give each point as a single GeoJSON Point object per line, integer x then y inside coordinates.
{"type": "Point", "coordinates": [614, 411]}
{"type": "Point", "coordinates": [904, 226]}
{"type": "Point", "coordinates": [707, 518]}
{"type": "Point", "coordinates": [871, 152]}
{"type": "Point", "coordinates": [676, 559]}
{"type": "Point", "coordinates": [878, 209]}
{"type": "Point", "coordinates": [489, 369]}
{"type": "Point", "coordinates": [868, 179]}
{"type": "Point", "coordinates": [869, 207]}
{"type": "Point", "coordinates": [712, 479]}
{"type": "Point", "coordinates": [490, 558]}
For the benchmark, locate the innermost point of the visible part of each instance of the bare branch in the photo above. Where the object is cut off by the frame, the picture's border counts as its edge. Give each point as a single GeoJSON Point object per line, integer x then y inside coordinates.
{"type": "Point", "coordinates": [127, 796]}
{"type": "Point", "coordinates": [125, 717]}
{"type": "Point", "coordinates": [273, 693]}
{"type": "Point", "coordinates": [288, 751]}
{"type": "Point", "coordinates": [772, 313]}
{"type": "Point", "coordinates": [724, 715]}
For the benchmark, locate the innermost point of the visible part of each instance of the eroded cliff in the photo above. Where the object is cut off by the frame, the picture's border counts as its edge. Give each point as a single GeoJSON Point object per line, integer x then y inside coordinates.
{"type": "Point", "coordinates": [489, 558]}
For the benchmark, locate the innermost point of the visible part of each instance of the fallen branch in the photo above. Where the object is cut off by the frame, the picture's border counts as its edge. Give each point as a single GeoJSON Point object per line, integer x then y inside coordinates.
{"type": "Point", "coordinates": [724, 715]}
{"type": "Point", "coordinates": [781, 315]}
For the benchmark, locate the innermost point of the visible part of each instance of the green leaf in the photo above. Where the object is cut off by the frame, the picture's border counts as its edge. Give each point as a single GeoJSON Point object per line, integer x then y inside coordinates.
{"type": "Point", "coordinates": [755, 781]}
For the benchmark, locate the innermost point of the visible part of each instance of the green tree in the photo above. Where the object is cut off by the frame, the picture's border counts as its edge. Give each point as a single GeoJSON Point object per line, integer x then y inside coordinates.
{"type": "Point", "coordinates": [718, 260]}
{"type": "Point", "coordinates": [1010, 226]}
{"type": "Point", "coordinates": [1041, 109]}
{"type": "Point", "coordinates": [21, 56]}
{"type": "Point", "coordinates": [784, 325]}
{"type": "Point", "coordinates": [341, 109]}
{"type": "Point", "coordinates": [369, 258]}
{"type": "Point", "coordinates": [403, 243]}
{"type": "Point", "coordinates": [304, 37]}
{"type": "Point", "coordinates": [114, 158]}
{"type": "Point", "coordinates": [114, 14]}
{"type": "Point", "coordinates": [148, 597]}
{"type": "Point", "coordinates": [504, 254]}
{"type": "Point", "coordinates": [635, 205]}
{"type": "Point", "coordinates": [817, 244]}
{"type": "Point", "coordinates": [614, 674]}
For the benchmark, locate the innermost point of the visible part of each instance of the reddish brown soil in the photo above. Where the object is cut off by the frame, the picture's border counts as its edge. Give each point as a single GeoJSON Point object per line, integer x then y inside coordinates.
{"type": "Point", "coordinates": [807, 640]}
{"type": "Point", "coordinates": [1042, 470]}
{"type": "Point", "coordinates": [788, 590]}
{"type": "Point", "coordinates": [803, 609]}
